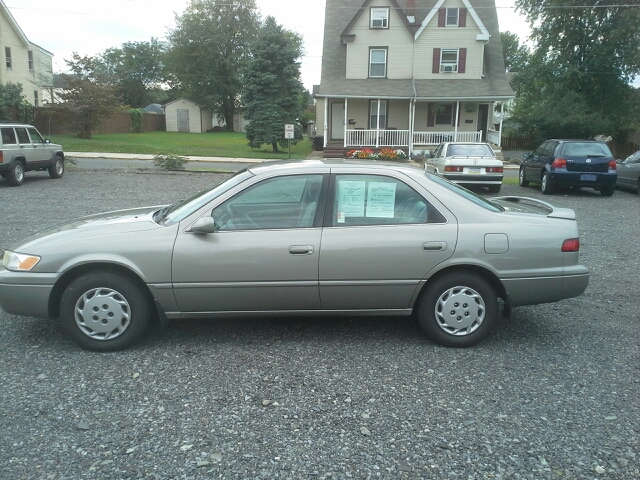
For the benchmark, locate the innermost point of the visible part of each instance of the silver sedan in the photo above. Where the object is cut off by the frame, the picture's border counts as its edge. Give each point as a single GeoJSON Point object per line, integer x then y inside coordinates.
{"type": "Point", "coordinates": [312, 237]}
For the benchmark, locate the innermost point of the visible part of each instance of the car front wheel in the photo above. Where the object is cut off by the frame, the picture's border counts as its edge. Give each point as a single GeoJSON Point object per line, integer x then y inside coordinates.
{"type": "Point", "coordinates": [104, 311]}
{"type": "Point", "coordinates": [521, 180]}
{"type": "Point", "coordinates": [16, 174]}
{"type": "Point", "coordinates": [545, 185]}
{"type": "Point", "coordinates": [56, 169]}
{"type": "Point", "coordinates": [458, 310]}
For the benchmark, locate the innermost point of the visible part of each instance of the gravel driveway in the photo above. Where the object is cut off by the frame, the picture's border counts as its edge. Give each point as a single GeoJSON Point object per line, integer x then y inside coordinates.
{"type": "Point", "coordinates": [553, 393]}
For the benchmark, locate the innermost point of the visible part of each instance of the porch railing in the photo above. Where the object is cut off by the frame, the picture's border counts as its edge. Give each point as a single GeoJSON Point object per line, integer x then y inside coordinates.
{"type": "Point", "coordinates": [493, 136]}
{"type": "Point", "coordinates": [435, 138]}
{"type": "Point", "coordinates": [377, 138]}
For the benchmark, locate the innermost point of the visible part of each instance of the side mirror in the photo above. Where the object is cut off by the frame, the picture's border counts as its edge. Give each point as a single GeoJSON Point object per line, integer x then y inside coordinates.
{"type": "Point", "coordinates": [619, 161]}
{"type": "Point", "coordinates": [47, 141]}
{"type": "Point", "coordinates": [205, 225]}
{"type": "Point", "coordinates": [526, 154]}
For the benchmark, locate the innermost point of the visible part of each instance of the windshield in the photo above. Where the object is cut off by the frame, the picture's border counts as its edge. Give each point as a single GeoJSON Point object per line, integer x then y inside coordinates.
{"type": "Point", "coordinates": [470, 150]}
{"type": "Point", "coordinates": [463, 192]}
{"type": "Point", "coordinates": [183, 209]}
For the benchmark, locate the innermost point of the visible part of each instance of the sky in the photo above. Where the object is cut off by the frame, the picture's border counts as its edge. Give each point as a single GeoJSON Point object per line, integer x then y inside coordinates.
{"type": "Point", "coordinates": [89, 27]}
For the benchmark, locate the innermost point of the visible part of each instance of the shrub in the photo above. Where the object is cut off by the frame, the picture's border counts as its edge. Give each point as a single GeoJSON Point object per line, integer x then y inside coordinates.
{"type": "Point", "coordinates": [136, 119]}
{"type": "Point", "coordinates": [169, 161]}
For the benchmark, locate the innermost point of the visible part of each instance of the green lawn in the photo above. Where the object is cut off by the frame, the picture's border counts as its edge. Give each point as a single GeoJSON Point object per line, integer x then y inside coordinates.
{"type": "Point", "coordinates": [218, 144]}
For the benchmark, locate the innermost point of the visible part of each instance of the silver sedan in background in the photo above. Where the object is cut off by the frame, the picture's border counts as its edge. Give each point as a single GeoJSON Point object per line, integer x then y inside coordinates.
{"type": "Point", "coordinates": [301, 238]}
{"type": "Point", "coordinates": [629, 172]}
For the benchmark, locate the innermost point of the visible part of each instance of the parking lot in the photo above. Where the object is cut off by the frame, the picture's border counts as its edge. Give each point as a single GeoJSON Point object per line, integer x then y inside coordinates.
{"type": "Point", "coordinates": [552, 393]}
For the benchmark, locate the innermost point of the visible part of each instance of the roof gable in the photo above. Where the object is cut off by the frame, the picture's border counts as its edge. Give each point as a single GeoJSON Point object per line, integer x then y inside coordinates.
{"type": "Point", "coordinates": [392, 3]}
{"type": "Point", "coordinates": [12, 22]}
{"type": "Point", "coordinates": [472, 11]}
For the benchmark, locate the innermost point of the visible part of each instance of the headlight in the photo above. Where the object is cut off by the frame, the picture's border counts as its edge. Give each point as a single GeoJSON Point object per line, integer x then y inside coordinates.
{"type": "Point", "coordinates": [19, 262]}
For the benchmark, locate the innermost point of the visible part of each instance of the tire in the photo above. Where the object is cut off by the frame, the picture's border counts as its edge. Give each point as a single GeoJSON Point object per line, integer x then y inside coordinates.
{"type": "Point", "coordinates": [545, 185]}
{"type": "Point", "coordinates": [56, 169]}
{"type": "Point", "coordinates": [521, 180]}
{"type": "Point", "coordinates": [104, 311]}
{"type": "Point", "coordinates": [607, 191]}
{"type": "Point", "coordinates": [458, 310]}
{"type": "Point", "coordinates": [494, 188]}
{"type": "Point", "coordinates": [16, 174]}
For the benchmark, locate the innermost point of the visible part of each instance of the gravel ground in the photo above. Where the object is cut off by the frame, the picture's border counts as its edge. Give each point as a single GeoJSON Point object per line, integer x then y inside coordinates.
{"type": "Point", "coordinates": [553, 393]}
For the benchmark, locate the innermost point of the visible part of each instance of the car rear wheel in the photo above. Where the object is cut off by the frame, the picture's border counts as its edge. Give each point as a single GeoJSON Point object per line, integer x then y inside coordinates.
{"type": "Point", "coordinates": [104, 311]}
{"type": "Point", "coordinates": [521, 180]}
{"type": "Point", "coordinates": [545, 185]}
{"type": "Point", "coordinates": [458, 310]}
{"type": "Point", "coordinates": [16, 174]}
{"type": "Point", "coordinates": [607, 191]}
{"type": "Point", "coordinates": [56, 169]}
{"type": "Point", "coordinates": [494, 188]}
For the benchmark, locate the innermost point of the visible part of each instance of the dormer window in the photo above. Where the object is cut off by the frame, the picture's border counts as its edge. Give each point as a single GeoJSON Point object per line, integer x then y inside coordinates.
{"type": "Point", "coordinates": [379, 18]}
{"type": "Point", "coordinates": [452, 17]}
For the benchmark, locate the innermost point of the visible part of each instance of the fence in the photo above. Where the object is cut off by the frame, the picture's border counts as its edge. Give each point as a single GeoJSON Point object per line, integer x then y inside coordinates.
{"type": "Point", "coordinates": [50, 122]}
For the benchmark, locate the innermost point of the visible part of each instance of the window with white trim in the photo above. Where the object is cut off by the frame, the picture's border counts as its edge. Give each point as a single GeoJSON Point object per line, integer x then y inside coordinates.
{"type": "Point", "coordinates": [36, 101]}
{"type": "Point", "coordinates": [373, 114]}
{"type": "Point", "coordinates": [378, 63]}
{"type": "Point", "coordinates": [7, 54]}
{"type": "Point", "coordinates": [452, 17]}
{"type": "Point", "coordinates": [30, 56]}
{"type": "Point", "coordinates": [379, 18]}
{"type": "Point", "coordinates": [448, 60]}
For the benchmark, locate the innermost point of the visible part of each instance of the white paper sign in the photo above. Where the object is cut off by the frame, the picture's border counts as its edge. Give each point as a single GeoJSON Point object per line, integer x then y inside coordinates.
{"type": "Point", "coordinates": [381, 199]}
{"type": "Point", "coordinates": [351, 195]}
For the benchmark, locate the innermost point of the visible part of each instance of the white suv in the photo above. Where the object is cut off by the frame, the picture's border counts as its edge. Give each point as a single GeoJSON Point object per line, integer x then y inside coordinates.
{"type": "Point", "coordinates": [22, 149]}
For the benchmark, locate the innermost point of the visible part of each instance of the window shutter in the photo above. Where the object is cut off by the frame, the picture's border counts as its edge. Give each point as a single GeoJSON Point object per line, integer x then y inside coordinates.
{"type": "Point", "coordinates": [430, 116]}
{"type": "Point", "coordinates": [436, 61]}
{"type": "Point", "coordinates": [462, 60]}
{"type": "Point", "coordinates": [462, 17]}
{"type": "Point", "coordinates": [442, 17]}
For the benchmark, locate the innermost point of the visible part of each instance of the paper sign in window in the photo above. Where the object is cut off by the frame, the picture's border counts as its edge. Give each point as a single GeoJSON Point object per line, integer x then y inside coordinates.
{"type": "Point", "coordinates": [351, 195]}
{"type": "Point", "coordinates": [381, 199]}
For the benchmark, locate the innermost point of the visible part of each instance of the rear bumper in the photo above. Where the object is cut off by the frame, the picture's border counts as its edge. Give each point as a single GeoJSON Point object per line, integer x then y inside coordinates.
{"type": "Point", "coordinates": [581, 179]}
{"type": "Point", "coordinates": [532, 291]}
{"type": "Point", "coordinates": [474, 179]}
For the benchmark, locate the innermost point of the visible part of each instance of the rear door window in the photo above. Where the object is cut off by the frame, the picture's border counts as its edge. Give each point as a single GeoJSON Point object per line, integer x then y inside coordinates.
{"type": "Point", "coordinates": [23, 136]}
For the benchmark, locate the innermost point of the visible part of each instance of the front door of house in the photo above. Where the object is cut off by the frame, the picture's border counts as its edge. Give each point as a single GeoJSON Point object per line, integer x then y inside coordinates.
{"type": "Point", "coordinates": [337, 121]}
{"type": "Point", "coordinates": [183, 120]}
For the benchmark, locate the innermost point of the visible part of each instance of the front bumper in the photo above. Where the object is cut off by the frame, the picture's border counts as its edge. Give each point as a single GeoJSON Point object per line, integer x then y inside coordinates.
{"type": "Point", "coordinates": [25, 294]}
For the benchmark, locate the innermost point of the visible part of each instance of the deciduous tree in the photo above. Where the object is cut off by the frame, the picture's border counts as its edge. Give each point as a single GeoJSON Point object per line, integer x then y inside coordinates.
{"type": "Point", "coordinates": [208, 50]}
{"type": "Point", "coordinates": [88, 98]}
{"type": "Point", "coordinates": [516, 56]}
{"type": "Point", "coordinates": [273, 93]}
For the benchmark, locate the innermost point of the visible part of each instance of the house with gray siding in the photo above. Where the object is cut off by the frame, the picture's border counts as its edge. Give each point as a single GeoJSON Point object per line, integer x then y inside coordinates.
{"type": "Point", "coordinates": [410, 73]}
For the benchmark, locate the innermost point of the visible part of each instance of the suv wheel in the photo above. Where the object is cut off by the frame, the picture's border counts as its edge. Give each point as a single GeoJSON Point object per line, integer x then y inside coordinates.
{"type": "Point", "coordinates": [16, 174]}
{"type": "Point", "coordinates": [545, 185]}
{"type": "Point", "coordinates": [56, 169]}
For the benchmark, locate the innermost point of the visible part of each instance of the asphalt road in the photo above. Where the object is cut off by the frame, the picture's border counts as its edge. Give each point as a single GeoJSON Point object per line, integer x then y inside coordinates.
{"type": "Point", "coordinates": [553, 393]}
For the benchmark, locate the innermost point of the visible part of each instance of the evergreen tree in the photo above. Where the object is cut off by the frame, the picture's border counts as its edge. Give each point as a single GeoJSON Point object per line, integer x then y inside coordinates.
{"type": "Point", "coordinates": [273, 91]}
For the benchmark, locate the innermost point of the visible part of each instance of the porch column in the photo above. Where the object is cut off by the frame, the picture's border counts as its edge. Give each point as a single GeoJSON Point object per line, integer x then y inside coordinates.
{"type": "Point", "coordinates": [412, 116]}
{"type": "Point", "coordinates": [455, 128]}
{"type": "Point", "coordinates": [378, 125]}
{"type": "Point", "coordinates": [325, 128]}
{"type": "Point", "coordinates": [501, 118]}
{"type": "Point", "coordinates": [345, 122]}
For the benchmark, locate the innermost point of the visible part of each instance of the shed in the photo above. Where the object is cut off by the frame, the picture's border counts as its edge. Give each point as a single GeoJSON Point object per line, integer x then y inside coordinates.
{"type": "Point", "coordinates": [183, 115]}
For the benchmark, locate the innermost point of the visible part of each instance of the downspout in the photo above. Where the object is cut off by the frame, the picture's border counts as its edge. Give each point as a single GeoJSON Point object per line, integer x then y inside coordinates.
{"type": "Point", "coordinates": [455, 128]}
{"type": "Point", "coordinates": [501, 118]}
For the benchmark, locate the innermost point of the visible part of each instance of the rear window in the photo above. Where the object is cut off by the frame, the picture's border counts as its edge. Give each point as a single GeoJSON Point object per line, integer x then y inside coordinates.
{"type": "Point", "coordinates": [470, 151]}
{"type": "Point", "coordinates": [468, 194]}
{"type": "Point", "coordinates": [587, 149]}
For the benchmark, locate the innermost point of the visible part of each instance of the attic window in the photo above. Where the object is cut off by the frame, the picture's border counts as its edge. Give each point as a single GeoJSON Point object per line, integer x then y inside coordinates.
{"type": "Point", "coordinates": [452, 17]}
{"type": "Point", "coordinates": [7, 54]}
{"type": "Point", "coordinates": [379, 18]}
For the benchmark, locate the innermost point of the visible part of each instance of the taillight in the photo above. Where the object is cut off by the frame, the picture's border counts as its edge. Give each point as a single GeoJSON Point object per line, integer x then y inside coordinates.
{"type": "Point", "coordinates": [449, 168]}
{"type": "Point", "coordinates": [1, 157]}
{"type": "Point", "coordinates": [612, 165]}
{"type": "Point", "coordinates": [494, 169]}
{"type": "Point", "coordinates": [571, 245]}
{"type": "Point", "coordinates": [559, 163]}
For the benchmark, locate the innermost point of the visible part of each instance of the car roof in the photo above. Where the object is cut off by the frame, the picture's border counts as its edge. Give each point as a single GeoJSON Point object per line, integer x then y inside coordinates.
{"type": "Point", "coordinates": [295, 165]}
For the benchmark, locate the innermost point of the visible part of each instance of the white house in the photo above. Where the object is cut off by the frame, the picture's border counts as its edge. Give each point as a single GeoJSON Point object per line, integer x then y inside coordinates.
{"type": "Point", "coordinates": [22, 61]}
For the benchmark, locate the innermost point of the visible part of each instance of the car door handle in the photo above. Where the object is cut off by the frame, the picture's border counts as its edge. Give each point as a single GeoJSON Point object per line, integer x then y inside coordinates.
{"type": "Point", "coordinates": [434, 246]}
{"type": "Point", "coordinates": [301, 249]}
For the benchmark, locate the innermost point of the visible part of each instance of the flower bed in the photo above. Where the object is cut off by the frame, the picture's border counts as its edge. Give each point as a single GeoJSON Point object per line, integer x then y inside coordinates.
{"type": "Point", "coordinates": [384, 154]}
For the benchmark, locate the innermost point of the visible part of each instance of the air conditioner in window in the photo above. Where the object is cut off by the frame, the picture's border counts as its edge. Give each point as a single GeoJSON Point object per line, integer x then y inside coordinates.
{"type": "Point", "coordinates": [379, 23]}
{"type": "Point", "coordinates": [448, 68]}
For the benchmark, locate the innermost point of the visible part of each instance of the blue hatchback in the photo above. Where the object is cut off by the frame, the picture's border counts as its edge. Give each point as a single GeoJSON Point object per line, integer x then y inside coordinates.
{"type": "Point", "coordinates": [570, 163]}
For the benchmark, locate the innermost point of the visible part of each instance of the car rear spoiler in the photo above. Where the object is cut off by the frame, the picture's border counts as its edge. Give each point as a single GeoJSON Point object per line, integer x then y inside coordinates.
{"type": "Point", "coordinates": [554, 212]}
